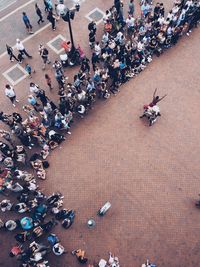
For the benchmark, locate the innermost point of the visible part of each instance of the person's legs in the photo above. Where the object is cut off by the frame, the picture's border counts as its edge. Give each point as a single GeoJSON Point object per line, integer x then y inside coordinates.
{"type": "Point", "coordinates": [13, 100]}
{"type": "Point", "coordinates": [26, 53]}
{"type": "Point", "coordinates": [53, 23]}
{"type": "Point", "coordinates": [40, 19]}
{"type": "Point", "coordinates": [12, 55]}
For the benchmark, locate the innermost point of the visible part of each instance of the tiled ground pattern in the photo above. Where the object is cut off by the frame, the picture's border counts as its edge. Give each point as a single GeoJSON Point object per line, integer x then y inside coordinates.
{"type": "Point", "coordinates": [150, 175]}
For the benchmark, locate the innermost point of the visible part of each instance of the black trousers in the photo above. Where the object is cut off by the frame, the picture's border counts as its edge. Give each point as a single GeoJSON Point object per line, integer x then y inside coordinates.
{"type": "Point", "coordinates": [24, 52]}
{"type": "Point", "coordinates": [12, 55]}
{"type": "Point", "coordinates": [40, 18]}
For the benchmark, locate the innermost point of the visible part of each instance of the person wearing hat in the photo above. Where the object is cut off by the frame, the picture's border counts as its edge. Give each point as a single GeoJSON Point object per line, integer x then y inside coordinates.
{"type": "Point", "coordinates": [20, 47]}
{"type": "Point", "coordinates": [58, 249]}
{"type": "Point", "coordinates": [10, 225]}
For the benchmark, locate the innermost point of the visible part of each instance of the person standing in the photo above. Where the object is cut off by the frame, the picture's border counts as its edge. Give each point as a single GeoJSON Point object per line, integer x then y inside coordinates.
{"type": "Point", "coordinates": [44, 53]}
{"type": "Point", "coordinates": [27, 23]}
{"type": "Point", "coordinates": [33, 102]}
{"type": "Point", "coordinates": [10, 93]}
{"type": "Point", "coordinates": [91, 39]}
{"type": "Point", "coordinates": [131, 8]}
{"type": "Point", "coordinates": [52, 19]}
{"type": "Point", "coordinates": [48, 81]}
{"type": "Point", "coordinates": [10, 53]}
{"type": "Point", "coordinates": [20, 47]}
{"type": "Point", "coordinates": [92, 27]}
{"type": "Point", "coordinates": [39, 13]}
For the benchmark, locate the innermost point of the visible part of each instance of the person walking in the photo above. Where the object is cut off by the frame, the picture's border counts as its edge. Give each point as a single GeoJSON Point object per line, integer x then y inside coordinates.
{"type": "Point", "coordinates": [10, 93]}
{"type": "Point", "coordinates": [20, 47]}
{"type": "Point", "coordinates": [48, 81]}
{"type": "Point", "coordinates": [39, 13]}
{"type": "Point", "coordinates": [52, 19]}
{"type": "Point", "coordinates": [27, 23]}
{"type": "Point", "coordinates": [44, 53]}
{"type": "Point", "coordinates": [10, 53]}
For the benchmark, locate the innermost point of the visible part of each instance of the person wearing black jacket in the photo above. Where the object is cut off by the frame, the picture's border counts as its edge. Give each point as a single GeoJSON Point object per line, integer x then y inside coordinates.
{"type": "Point", "coordinates": [39, 13]}
{"type": "Point", "coordinates": [10, 53]}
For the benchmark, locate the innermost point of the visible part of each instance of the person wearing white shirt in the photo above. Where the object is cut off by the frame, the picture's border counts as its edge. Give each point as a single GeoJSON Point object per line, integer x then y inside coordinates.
{"type": "Point", "coordinates": [34, 88]}
{"type": "Point", "coordinates": [97, 49]}
{"type": "Point", "coordinates": [130, 22]}
{"type": "Point", "coordinates": [10, 93]}
{"type": "Point", "coordinates": [20, 47]}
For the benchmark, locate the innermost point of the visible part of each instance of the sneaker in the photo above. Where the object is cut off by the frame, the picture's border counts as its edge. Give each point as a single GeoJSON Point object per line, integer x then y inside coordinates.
{"type": "Point", "coordinates": [14, 105]}
{"type": "Point", "coordinates": [31, 32]}
{"type": "Point", "coordinates": [12, 60]}
{"type": "Point", "coordinates": [69, 133]}
{"type": "Point", "coordinates": [17, 100]}
{"type": "Point", "coordinates": [20, 62]}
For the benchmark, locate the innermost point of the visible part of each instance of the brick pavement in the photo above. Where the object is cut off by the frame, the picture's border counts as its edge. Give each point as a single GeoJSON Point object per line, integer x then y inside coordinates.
{"type": "Point", "coordinates": [150, 175]}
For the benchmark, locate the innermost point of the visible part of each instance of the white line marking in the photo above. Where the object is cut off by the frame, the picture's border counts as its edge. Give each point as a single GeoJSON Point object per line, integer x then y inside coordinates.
{"type": "Point", "coordinates": [7, 6]}
{"type": "Point", "coordinates": [14, 11]}
{"type": "Point", "coordinates": [28, 38]}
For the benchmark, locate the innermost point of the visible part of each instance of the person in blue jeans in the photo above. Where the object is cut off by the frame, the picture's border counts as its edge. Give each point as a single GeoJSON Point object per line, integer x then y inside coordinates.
{"type": "Point", "coordinates": [27, 23]}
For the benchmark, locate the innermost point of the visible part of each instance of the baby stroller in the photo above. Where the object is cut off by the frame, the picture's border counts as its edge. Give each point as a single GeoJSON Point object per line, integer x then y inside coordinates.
{"type": "Point", "coordinates": [151, 113]}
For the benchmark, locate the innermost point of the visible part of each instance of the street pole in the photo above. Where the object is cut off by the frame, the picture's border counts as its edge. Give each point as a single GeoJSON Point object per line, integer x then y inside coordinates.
{"type": "Point", "coordinates": [71, 35]}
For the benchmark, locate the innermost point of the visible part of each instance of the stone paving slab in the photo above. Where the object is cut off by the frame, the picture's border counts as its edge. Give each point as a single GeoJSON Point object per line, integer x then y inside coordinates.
{"type": "Point", "coordinates": [96, 14]}
{"type": "Point", "coordinates": [15, 74]}
{"type": "Point", "coordinates": [150, 175]}
{"type": "Point", "coordinates": [55, 44]}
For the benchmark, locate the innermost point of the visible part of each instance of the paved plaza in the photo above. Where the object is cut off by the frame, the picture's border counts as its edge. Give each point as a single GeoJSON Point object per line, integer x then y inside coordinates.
{"type": "Point", "coordinates": [149, 174]}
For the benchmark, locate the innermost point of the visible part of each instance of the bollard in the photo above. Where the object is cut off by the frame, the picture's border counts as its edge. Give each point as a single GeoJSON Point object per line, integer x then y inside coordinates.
{"type": "Point", "coordinates": [91, 223]}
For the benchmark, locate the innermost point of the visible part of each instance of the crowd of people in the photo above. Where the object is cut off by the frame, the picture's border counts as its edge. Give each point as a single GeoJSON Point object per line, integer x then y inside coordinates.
{"type": "Point", "coordinates": [126, 48]}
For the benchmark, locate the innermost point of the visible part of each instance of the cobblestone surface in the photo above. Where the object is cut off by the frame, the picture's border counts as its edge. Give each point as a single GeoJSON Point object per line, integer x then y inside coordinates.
{"type": "Point", "coordinates": [150, 175]}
